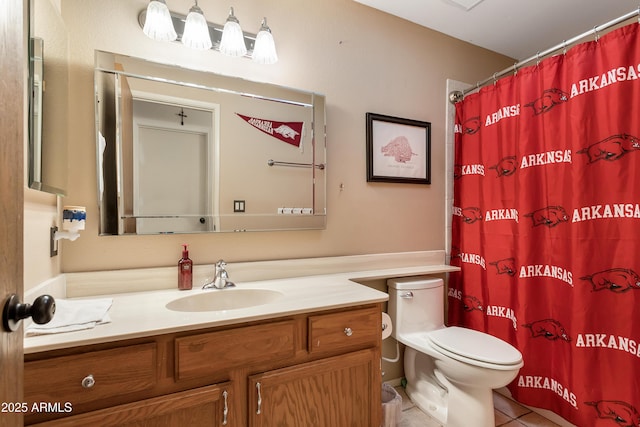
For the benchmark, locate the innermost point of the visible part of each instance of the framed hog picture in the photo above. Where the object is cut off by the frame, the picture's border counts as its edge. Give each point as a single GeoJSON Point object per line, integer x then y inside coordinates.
{"type": "Point", "coordinates": [398, 150]}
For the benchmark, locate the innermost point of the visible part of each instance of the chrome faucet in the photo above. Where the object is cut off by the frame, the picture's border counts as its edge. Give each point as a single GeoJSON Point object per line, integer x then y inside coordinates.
{"type": "Point", "coordinates": [221, 279]}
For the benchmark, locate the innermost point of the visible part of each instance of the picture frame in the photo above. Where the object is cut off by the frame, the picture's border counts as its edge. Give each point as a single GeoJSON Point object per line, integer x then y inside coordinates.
{"type": "Point", "coordinates": [398, 150]}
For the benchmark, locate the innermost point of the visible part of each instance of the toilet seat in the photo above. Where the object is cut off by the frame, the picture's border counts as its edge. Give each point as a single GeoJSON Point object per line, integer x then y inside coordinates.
{"type": "Point", "coordinates": [473, 347]}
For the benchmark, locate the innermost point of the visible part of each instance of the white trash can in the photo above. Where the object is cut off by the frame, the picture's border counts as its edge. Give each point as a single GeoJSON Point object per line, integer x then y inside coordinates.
{"type": "Point", "coordinates": [391, 406]}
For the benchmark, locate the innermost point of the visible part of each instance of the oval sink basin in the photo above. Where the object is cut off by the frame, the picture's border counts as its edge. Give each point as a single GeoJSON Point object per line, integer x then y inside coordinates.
{"type": "Point", "coordinates": [224, 299]}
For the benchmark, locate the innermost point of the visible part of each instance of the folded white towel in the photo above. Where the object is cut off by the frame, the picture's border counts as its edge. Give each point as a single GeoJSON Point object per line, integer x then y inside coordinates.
{"type": "Point", "coordinates": [74, 315]}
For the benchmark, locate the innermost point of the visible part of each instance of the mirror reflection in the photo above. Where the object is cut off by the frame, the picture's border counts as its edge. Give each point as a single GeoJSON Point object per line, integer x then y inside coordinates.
{"type": "Point", "coordinates": [48, 81]}
{"type": "Point", "coordinates": [186, 151]}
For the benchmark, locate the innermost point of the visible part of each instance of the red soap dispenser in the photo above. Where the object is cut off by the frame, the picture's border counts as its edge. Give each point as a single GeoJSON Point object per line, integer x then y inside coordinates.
{"type": "Point", "coordinates": [185, 270]}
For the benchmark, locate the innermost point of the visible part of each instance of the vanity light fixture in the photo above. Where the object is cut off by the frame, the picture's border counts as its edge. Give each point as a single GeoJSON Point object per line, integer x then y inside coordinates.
{"type": "Point", "coordinates": [232, 42]}
{"type": "Point", "coordinates": [196, 31]}
{"type": "Point", "coordinates": [264, 51]}
{"type": "Point", "coordinates": [228, 39]}
{"type": "Point", "coordinates": [158, 23]}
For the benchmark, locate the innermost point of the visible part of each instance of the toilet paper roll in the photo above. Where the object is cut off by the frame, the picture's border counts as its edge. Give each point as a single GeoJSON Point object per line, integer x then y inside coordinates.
{"type": "Point", "coordinates": [387, 327]}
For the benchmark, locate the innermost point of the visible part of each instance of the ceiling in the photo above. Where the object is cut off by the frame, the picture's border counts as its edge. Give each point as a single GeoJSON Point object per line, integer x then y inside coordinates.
{"type": "Point", "coordinates": [515, 28]}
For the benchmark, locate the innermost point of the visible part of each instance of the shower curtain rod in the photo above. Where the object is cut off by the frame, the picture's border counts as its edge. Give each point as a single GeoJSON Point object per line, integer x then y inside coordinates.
{"type": "Point", "coordinates": [457, 96]}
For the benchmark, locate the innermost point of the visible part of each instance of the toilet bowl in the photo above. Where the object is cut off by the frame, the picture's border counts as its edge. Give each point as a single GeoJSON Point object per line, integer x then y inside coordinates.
{"type": "Point", "coordinates": [450, 371]}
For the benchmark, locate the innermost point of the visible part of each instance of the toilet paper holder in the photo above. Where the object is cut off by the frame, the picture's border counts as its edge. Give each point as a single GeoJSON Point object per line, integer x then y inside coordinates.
{"type": "Point", "coordinates": [387, 328]}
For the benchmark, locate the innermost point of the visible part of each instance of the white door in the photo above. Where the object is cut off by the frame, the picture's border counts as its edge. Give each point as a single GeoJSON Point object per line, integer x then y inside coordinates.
{"type": "Point", "coordinates": [173, 167]}
{"type": "Point", "coordinates": [171, 181]}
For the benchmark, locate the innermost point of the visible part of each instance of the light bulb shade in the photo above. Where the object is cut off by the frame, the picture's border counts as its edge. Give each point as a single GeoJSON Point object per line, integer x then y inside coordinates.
{"type": "Point", "coordinates": [196, 30]}
{"type": "Point", "coordinates": [232, 42]}
{"type": "Point", "coordinates": [264, 50]}
{"type": "Point", "coordinates": [157, 24]}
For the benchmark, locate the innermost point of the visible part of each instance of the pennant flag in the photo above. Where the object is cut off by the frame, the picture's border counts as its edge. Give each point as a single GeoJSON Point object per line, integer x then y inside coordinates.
{"type": "Point", "coordinates": [289, 132]}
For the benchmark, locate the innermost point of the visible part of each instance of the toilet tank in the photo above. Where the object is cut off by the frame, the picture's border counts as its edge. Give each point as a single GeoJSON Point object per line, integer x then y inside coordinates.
{"type": "Point", "coordinates": [416, 304]}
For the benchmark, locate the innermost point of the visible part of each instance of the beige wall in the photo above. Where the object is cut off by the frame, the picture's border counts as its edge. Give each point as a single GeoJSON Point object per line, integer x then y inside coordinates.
{"type": "Point", "coordinates": [40, 215]}
{"type": "Point", "coordinates": [363, 60]}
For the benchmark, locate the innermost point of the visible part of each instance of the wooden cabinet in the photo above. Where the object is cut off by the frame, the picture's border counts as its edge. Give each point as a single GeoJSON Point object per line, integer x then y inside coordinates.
{"type": "Point", "coordinates": [315, 369]}
{"type": "Point", "coordinates": [337, 391]}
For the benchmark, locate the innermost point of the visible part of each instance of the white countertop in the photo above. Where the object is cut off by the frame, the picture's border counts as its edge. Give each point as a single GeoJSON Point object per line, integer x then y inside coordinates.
{"type": "Point", "coordinates": [140, 314]}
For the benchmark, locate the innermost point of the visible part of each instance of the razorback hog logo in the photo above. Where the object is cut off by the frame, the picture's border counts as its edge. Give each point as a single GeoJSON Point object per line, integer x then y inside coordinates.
{"type": "Point", "coordinates": [471, 215]}
{"type": "Point", "coordinates": [621, 413]}
{"type": "Point", "coordinates": [616, 280]}
{"type": "Point", "coordinates": [505, 266]}
{"type": "Point", "coordinates": [286, 131]}
{"type": "Point", "coordinates": [549, 99]}
{"type": "Point", "coordinates": [506, 166]}
{"type": "Point", "coordinates": [548, 328]}
{"type": "Point", "coordinates": [611, 148]}
{"type": "Point", "coordinates": [549, 216]}
{"type": "Point", "coordinates": [470, 303]}
{"type": "Point", "coordinates": [471, 126]}
{"type": "Point", "coordinates": [399, 148]}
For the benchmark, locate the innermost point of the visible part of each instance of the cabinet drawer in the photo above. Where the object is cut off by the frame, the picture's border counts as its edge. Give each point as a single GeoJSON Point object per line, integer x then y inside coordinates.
{"type": "Point", "coordinates": [345, 330]}
{"type": "Point", "coordinates": [204, 354]}
{"type": "Point", "coordinates": [114, 372]}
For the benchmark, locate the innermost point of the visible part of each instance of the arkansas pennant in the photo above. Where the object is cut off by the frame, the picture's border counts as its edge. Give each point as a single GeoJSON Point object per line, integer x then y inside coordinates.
{"type": "Point", "coordinates": [289, 132]}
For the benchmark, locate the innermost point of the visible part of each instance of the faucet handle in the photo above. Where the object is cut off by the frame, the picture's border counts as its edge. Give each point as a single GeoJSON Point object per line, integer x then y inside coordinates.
{"type": "Point", "coordinates": [221, 264]}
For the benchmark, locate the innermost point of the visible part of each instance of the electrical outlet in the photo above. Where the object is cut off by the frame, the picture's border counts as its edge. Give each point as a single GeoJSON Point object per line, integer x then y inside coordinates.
{"type": "Point", "coordinates": [238, 205]}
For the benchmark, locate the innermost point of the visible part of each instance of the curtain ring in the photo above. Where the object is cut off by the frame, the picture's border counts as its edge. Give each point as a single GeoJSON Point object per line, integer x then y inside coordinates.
{"type": "Point", "coordinates": [595, 31]}
{"type": "Point", "coordinates": [564, 47]}
{"type": "Point", "coordinates": [537, 58]}
{"type": "Point", "coordinates": [494, 79]}
{"type": "Point", "coordinates": [515, 68]}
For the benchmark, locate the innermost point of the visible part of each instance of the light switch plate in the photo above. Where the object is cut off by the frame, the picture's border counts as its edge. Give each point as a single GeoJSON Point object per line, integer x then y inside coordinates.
{"type": "Point", "coordinates": [238, 205]}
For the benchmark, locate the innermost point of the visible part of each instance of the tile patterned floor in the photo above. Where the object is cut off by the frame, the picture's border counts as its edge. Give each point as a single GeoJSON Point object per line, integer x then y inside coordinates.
{"type": "Point", "coordinates": [507, 412]}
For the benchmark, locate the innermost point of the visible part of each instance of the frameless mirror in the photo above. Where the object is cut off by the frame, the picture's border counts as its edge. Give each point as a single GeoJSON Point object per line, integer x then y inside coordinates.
{"type": "Point", "coordinates": [49, 83]}
{"type": "Point", "coordinates": [188, 151]}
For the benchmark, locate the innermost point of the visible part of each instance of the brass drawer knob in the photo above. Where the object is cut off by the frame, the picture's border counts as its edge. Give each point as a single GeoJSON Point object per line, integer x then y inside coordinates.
{"type": "Point", "coordinates": [88, 381]}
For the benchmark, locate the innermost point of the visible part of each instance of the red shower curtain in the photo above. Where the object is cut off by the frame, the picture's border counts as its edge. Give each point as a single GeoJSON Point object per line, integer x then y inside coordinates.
{"type": "Point", "coordinates": [546, 227]}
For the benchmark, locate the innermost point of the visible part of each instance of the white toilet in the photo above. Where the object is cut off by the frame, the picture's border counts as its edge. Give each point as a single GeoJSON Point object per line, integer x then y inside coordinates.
{"type": "Point", "coordinates": [450, 371]}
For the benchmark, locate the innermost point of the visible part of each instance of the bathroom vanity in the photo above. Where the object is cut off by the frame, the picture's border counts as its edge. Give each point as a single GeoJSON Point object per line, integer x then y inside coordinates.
{"type": "Point", "coordinates": [320, 368]}
{"type": "Point", "coordinates": [311, 356]}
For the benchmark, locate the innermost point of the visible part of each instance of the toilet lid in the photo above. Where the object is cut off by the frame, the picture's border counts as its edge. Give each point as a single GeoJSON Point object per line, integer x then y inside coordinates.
{"type": "Point", "coordinates": [475, 345]}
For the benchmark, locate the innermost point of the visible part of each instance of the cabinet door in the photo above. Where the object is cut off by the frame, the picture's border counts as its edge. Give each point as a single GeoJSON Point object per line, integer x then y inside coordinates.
{"type": "Point", "coordinates": [205, 406]}
{"type": "Point", "coordinates": [337, 391]}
